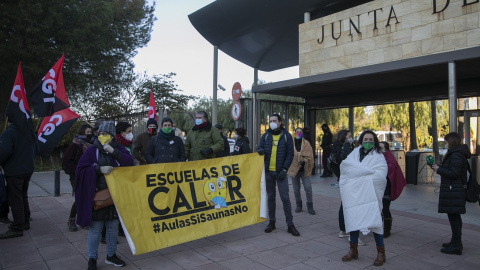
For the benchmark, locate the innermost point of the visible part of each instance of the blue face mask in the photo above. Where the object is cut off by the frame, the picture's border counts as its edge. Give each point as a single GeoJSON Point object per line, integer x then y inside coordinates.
{"type": "Point", "coordinates": [198, 122]}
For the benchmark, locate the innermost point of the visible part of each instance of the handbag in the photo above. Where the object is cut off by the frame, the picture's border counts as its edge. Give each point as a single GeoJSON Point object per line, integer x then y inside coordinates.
{"type": "Point", "coordinates": [472, 188]}
{"type": "Point", "coordinates": [102, 199]}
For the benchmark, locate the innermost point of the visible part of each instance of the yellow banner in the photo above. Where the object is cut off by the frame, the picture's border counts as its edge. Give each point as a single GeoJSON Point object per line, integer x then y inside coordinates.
{"type": "Point", "coordinates": [162, 205]}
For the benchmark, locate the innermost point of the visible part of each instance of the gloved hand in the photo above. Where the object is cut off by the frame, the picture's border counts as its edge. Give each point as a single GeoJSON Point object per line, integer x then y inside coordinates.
{"type": "Point", "coordinates": [261, 152]}
{"type": "Point", "coordinates": [282, 176]}
{"type": "Point", "coordinates": [206, 151]}
{"type": "Point", "coordinates": [107, 147]}
{"type": "Point", "coordinates": [106, 169]}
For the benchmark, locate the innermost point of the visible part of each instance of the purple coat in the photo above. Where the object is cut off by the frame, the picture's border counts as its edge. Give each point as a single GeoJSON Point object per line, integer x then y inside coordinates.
{"type": "Point", "coordinates": [86, 178]}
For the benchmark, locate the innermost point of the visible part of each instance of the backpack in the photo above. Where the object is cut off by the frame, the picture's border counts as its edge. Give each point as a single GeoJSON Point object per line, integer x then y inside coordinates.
{"type": "Point", "coordinates": [472, 189]}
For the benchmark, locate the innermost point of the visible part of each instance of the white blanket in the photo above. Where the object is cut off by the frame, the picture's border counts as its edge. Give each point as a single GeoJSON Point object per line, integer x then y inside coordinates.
{"type": "Point", "coordinates": [362, 185]}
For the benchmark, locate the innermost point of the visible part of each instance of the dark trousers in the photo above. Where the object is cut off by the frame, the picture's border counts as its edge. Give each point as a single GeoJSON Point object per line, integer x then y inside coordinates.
{"type": "Point", "coordinates": [386, 208]}
{"type": "Point", "coordinates": [73, 210]}
{"type": "Point", "coordinates": [4, 210]}
{"type": "Point", "coordinates": [271, 181]}
{"type": "Point", "coordinates": [456, 226]}
{"type": "Point", "coordinates": [17, 189]}
{"type": "Point", "coordinates": [341, 219]}
{"type": "Point", "coordinates": [326, 154]}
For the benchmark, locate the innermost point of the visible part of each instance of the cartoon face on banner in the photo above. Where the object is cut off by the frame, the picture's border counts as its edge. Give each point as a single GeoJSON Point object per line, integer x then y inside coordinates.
{"type": "Point", "coordinates": [215, 191]}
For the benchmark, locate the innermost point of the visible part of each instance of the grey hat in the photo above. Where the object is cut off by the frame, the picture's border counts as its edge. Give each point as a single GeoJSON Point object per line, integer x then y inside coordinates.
{"type": "Point", "coordinates": [107, 126]}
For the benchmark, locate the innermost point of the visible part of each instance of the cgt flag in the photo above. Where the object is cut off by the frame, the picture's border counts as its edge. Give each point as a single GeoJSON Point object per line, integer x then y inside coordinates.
{"type": "Point", "coordinates": [49, 94]}
{"type": "Point", "coordinates": [52, 130]}
{"type": "Point", "coordinates": [151, 106]}
{"type": "Point", "coordinates": [161, 205]}
{"type": "Point", "coordinates": [18, 111]}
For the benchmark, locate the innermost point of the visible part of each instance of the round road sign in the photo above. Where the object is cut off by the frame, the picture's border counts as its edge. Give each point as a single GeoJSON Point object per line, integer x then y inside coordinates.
{"type": "Point", "coordinates": [236, 91]}
{"type": "Point", "coordinates": [236, 110]}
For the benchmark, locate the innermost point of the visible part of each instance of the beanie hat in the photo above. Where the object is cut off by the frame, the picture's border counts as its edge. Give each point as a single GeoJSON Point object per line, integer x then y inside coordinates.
{"type": "Point", "coordinates": [151, 121]}
{"type": "Point", "coordinates": [107, 127]}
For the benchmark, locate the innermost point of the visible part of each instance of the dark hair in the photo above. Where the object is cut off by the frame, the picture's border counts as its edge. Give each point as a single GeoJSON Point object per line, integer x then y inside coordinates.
{"type": "Point", "coordinates": [205, 115]}
{"type": "Point", "coordinates": [453, 139]}
{"type": "Point", "coordinates": [386, 145]}
{"type": "Point", "coordinates": [241, 131]}
{"type": "Point", "coordinates": [342, 135]}
{"type": "Point", "coordinates": [166, 119]}
{"type": "Point", "coordinates": [375, 139]}
{"type": "Point", "coordinates": [82, 128]}
{"type": "Point", "coordinates": [121, 127]}
{"type": "Point", "coordinates": [278, 117]}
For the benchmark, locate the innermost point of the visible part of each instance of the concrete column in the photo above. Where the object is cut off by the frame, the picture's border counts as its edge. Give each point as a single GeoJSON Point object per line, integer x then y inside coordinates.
{"type": "Point", "coordinates": [215, 83]}
{"type": "Point", "coordinates": [351, 120]}
{"type": "Point", "coordinates": [413, 133]}
{"type": "Point", "coordinates": [452, 97]}
{"type": "Point", "coordinates": [433, 107]}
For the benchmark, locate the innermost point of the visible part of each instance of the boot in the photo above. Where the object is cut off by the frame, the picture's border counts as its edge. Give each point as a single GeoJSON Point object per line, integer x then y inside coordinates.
{"type": "Point", "coordinates": [352, 253]}
{"type": "Point", "coordinates": [451, 243]}
{"type": "Point", "coordinates": [455, 248]}
{"type": "Point", "coordinates": [299, 207]}
{"type": "Point", "coordinates": [310, 208]}
{"type": "Point", "coordinates": [387, 227]}
{"type": "Point", "coordinates": [380, 256]}
{"type": "Point", "coordinates": [72, 226]}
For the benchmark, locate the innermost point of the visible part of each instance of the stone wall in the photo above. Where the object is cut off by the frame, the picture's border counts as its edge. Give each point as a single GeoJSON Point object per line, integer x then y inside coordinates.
{"type": "Point", "coordinates": [387, 30]}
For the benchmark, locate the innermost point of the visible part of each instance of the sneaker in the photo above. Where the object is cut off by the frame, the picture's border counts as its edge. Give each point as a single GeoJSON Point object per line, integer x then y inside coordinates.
{"type": "Point", "coordinates": [343, 234]}
{"type": "Point", "coordinates": [11, 234]}
{"type": "Point", "coordinates": [115, 261]}
{"type": "Point", "coordinates": [5, 220]}
{"type": "Point", "coordinates": [360, 242]}
{"type": "Point", "coordinates": [92, 264]}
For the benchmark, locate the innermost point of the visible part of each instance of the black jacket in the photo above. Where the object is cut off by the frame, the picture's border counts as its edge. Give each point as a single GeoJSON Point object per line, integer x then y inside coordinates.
{"type": "Point", "coordinates": [242, 146]}
{"type": "Point", "coordinates": [17, 153]}
{"type": "Point", "coordinates": [162, 150]}
{"type": "Point", "coordinates": [226, 148]}
{"type": "Point", "coordinates": [284, 149]}
{"type": "Point", "coordinates": [453, 174]}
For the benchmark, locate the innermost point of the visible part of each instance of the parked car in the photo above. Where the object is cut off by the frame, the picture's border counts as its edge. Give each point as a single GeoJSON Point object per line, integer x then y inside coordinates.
{"type": "Point", "coordinates": [442, 147]}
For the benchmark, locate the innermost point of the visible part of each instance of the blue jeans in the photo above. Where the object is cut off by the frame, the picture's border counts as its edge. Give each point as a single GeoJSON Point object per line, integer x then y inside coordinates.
{"type": "Point", "coordinates": [95, 233]}
{"type": "Point", "coordinates": [378, 238]}
{"type": "Point", "coordinates": [271, 181]}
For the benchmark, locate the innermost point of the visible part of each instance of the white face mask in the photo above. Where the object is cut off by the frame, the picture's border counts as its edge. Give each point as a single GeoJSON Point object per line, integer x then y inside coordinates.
{"type": "Point", "coordinates": [129, 136]}
{"type": "Point", "coordinates": [273, 125]}
{"type": "Point", "coordinates": [235, 136]}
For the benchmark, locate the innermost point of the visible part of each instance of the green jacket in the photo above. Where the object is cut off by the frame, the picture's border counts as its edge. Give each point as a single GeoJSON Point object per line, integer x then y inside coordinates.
{"type": "Point", "coordinates": [197, 139]}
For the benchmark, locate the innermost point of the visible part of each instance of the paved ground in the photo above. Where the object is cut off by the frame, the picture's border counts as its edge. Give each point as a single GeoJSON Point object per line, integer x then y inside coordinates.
{"type": "Point", "coordinates": [417, 235]}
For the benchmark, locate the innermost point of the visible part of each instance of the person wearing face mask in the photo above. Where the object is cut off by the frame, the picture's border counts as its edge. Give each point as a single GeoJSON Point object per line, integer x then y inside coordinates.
{"type": "Point", "coordinates": [124, 135]}
{"type": "Point", "coordinates": [327, 149]}
{"type": "Point", "coordinates": [277, 146]}
{"type": "Point", "coordinates": [301, 167]}
{"type": "Point", "coordinates": [96, 162]}
{"type": "Point", "coordinates": [363, 178]}
{"type": "Point", "coordinates": [204, 140]}
{"type": "Point", "coordinates": [395, 184]}
{"type": "Point", "coordinates": [81, 142]}
{"type": "Point", "coordinates": [242, 144]}
{"type": "Point", "coordinates": [226, 145]}
{"type": "Point", "coordinates": [165, 147]}
{"type": "Point", "coordinates": [341, 148]}
{"type": "Point", "coordinates": [142, 140]}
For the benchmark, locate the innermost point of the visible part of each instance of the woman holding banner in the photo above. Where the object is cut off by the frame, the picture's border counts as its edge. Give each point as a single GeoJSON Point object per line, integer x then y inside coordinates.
{"type": "Point", "coordinates": [165, 147]}
{"type": "Point", "coordinates": [98, 161]}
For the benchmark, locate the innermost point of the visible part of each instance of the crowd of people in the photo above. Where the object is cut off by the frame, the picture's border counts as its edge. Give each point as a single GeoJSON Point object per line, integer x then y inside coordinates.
{"type": "Point", "coordinates": [368, 174]}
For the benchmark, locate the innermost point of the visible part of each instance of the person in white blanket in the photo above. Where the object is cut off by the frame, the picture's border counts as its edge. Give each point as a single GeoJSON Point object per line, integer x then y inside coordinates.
{"type": "Point", "coordinates": [362, 184]}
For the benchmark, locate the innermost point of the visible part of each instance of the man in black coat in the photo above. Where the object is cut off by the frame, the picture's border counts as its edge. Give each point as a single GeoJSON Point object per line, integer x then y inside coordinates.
{"type": "Point", "coordinates": [326, 145]}
{"type": "Point", "coordinates": [17, 152]}
{"type": "Point", "coordinates": [226, 145]}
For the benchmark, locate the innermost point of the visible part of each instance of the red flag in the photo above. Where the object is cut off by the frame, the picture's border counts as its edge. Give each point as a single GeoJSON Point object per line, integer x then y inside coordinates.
{"type": "Point", "coordinates": [18, 111]}
{"type": "Point", "coordinates": [49, 94]}
{"type": "Point", "coordinates": [151, 107]}
{"type": "Point", "coordinates": [52, 130]}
